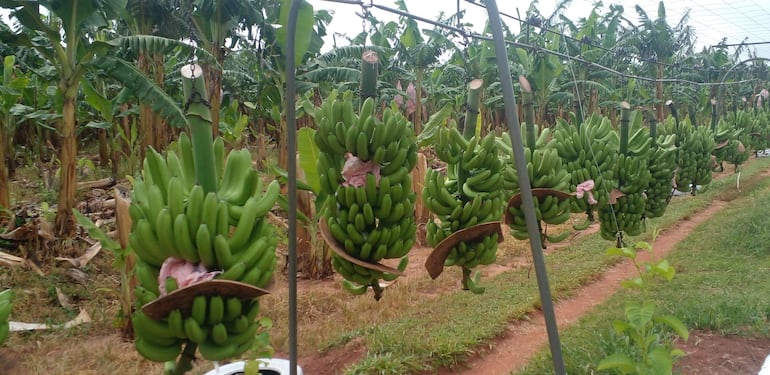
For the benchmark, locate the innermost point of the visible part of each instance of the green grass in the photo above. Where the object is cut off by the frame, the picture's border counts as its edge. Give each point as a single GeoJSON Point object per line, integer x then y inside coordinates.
{"type": "Point", "coordinates": [446, 331]}
{"type": "Point", "coordinates": [721, 285]}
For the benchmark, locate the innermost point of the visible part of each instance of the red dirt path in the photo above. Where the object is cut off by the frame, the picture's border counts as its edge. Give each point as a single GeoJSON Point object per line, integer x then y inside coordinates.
{"type": "Point", "coordinates": [512, 351]}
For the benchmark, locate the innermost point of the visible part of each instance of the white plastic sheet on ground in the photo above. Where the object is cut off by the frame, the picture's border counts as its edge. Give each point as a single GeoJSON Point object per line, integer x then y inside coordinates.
{"type": "Point", "coordinates": [82, 317]}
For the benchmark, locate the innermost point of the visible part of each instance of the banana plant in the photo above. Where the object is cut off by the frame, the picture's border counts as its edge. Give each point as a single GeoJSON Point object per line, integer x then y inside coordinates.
{"type": "Point", "coordinates": [660, 42]}
{"type": "Point", "coordinates": [592, 39]}
{"type": "Point", "coordinates": [69, 50]}
{"type": "Point", "coordinates": [157, 18]}
{"type": "Point", "coordinates": [313, 254]}
{"type": "Point", "coordinates": [419, 53]}
{"type": "Point", "coordinates": [10, 92]}
{"type": "Point", "coordinates": [215, 22]}
{"type": "Point", "coordinates": [270, 72]}
{"type": "Point", "coordinates": [72, 50]}
{"type": "Point", "coordinates": [541, 69]}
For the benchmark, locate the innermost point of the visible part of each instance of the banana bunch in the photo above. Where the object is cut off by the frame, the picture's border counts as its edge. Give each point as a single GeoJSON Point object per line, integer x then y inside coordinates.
{"type": "Point", "coordinates": [755, 125]}
{"type": "Point", "coordinates": [371, 215]}
{"type": "Point", "coordinates": [625, 215]}
{"type": "Point", "coordinates": [545, 170]}
{"type": "Point", "coordinates": [662, 168]}
{"type": "Point", "coordinates": [696, 144]}
{"type": "Point", "coordinates": [224, 230]}
{"type": "Point", "coordinates": [703, 139]}
{"type": "Point", "coordinates": [729, 147]}
{"type": "Point", "coordinates": [469, 194]}
{"type": "Point", "coordinates": [221, 327]}
{"type": "Point", "coordinates": [544, 166]}
{"type": "Point", "coordinates": [219, 230]}
{"type": "Point", "coordinates": [589, 152]}
{"type": "Point", "coordinates": [6, 299]}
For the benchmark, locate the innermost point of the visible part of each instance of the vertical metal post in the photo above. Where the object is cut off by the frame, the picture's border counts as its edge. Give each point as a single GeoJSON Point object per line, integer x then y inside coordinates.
{"type": "Point", "coordinates": [527, 203]}
{"type": "Point", "coordinates": [291, 131]}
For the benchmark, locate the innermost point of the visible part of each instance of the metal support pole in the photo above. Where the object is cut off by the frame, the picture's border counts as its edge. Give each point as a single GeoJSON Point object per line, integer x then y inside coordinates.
{"type": "Point", "coordinates": [291, 131]}
{"type": "Point", "coordinates": [527, 203]}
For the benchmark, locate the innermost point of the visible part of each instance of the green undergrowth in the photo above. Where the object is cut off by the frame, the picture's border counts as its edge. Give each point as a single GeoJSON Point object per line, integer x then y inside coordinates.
{"type": "Point", "coordinates": [720, 286]}
{"type": "Point", "coordinates": [443, 332]}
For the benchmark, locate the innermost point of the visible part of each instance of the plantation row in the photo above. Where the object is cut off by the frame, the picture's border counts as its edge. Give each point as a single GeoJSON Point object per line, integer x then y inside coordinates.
{"type": "Point", "coordinates": [201, 247]}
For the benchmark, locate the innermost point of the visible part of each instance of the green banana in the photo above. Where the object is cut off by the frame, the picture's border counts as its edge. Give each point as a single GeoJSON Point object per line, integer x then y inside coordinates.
{"type": "Point", "coordinates": [222, 253]}
{"type": "Point", "coordinates": [156, 203]}
{"type": "Point", "coordinates": [183, 239]}
{"type": "Point", "coordinates": [209, 210]}
{"type": "Point", "coordinates": [157, 353]}
{"type": "Point", "coordinates": [252, 276]}
{"type": "Point", "coordinates": [187, 160]}
{"type": "Point", "coordinates": [194, 209]}
{"type": "Point", "coordinates": [219, 334]}
{"type": "Point", "coordinates": [176, 194]}
{"type": "Point", "coordinates": [165, 231]}
{"type": "Point", "coordinates": [170, 284]}
{"type": "Point", "coordinates": [353, 289]}
{"type": "Point", "coordinates": [234, 272]}
{"type": "Point", "coordinates": [199, 309]}
{"type": "Point", "coordinates": [143, 295]}
{"type": "Point", "coordinates": [155, 331]}
{"type": "Point", "coordinates": [194, 331]}
{"type": "Point", "coordinates": [146, 275]}
{"type": "Point", "coordinates": [175, 168]}
{"type": "Point", "coordinates": [245, 224]}
{"type": "Point", "coordinates": [232, 188]}
{"type": "Point", "coordinates": [233, 309]}
{"type": "Point", "coordinates": [223, 220]}
{"type": "Point", "coordinates": [204, 246]}
{"type": "Point", "coordinates": [144, 243]}
{"type": "Point", "coordinates": [158, 169]}
{"type": "Point", "coordinates": [216, 313]}
{"type": "Point", "coordinates": [176, 323]}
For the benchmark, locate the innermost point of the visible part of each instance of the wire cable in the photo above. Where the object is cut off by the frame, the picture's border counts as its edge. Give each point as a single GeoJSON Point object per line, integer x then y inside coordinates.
{"type": "Point", "coordinates": [476, 36]}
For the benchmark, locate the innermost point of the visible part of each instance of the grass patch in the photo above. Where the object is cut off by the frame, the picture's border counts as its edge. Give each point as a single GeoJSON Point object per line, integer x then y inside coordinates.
{"type": "Point", "coordinates": [721, 284]}
{"type": "Point", "coordinates": [447, 331]}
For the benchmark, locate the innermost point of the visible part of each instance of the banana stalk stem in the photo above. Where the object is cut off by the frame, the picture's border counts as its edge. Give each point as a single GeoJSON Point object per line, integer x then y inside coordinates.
{"type": "Point", "coordinates": [625, 120]}
{"type": "Point", "coordinates": [369, 72]}
{"type": "Point", "coordinates": [529, 112]}
{"type": "Point", "coordinates": [713, 114]}
{"type": "Point", "coordinates": [199, 117]}
{"type": "Point", "coordinates": [471, 116]}
{"type": "Point", "coordinates": [184, 363]}
{"type": "Point", "coordinates": [691, 114]}
{"type": "Point", "coordinates": [466, 277]}
{"type": "Point", "coordinates": [674, 112]}
{"type": "Point", "coordinates": [472, 108]}
{"type": "Point", "coordinates": [377, 289]}
{"type": "Point", "coordinates": [653, 123]}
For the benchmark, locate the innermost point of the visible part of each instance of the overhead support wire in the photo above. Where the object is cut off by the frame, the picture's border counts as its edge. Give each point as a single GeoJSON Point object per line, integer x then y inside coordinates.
{"type": "Point", "coordinates": [465, 33]}
{"type": "Point", "coordinates": [581, 41]}
{"type": "Point", "coordinates": [421, 19]}
{"type": "Point", "coordinates": [351, 2]}
{"type": "Point", "coordinates": [720, 93]}
{"type": "Point", "coordinates": [739, 44]}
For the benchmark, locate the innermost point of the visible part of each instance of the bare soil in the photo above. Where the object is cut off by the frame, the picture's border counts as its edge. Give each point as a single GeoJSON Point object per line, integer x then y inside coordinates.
{"type": "Point", "coordinates": [712, 354]}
